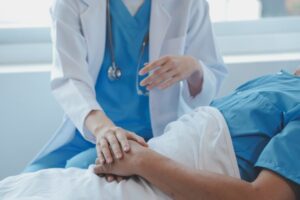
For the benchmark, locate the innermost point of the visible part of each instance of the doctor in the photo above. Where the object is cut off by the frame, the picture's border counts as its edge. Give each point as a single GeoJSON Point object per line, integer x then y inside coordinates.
{"type": "Point", "coordinates": [107, 91]}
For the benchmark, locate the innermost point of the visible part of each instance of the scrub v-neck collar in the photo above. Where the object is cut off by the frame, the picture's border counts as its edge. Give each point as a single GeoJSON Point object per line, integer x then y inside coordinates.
{"type": "Point", "coordinates": [121, 14]}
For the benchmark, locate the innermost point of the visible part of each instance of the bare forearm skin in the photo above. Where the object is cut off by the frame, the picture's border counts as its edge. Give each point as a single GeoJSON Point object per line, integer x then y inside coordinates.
{"type": "Point", "coordinates": [181, 183]}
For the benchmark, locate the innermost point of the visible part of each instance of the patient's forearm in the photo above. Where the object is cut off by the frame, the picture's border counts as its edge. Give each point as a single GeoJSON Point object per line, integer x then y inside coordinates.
{"type": "Point", "coordinates": [182, 183]}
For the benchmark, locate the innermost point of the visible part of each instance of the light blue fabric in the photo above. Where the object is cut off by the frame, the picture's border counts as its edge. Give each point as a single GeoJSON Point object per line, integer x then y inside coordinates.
{"type": "Point", "coordinates": [77, 153]}
{"type": "Point", "coordinates": [119, 99]}
{"type": "Point", "coordinates": [263, 117]}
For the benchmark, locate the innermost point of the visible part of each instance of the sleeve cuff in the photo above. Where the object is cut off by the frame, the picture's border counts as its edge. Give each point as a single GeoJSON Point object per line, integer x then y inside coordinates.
{"type": "Point", "coordinates": [81, 124]}
{"type": "Point", "coordinates": [283, 172]}
{"type": "Point", "coordinates": [208, 92]}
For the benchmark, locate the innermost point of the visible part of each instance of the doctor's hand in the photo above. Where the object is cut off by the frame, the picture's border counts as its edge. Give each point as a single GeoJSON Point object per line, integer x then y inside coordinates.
{"type": "Point", "coordinates": [169, 70]}
{"type": "Point", "coordinates": [128, 166]}
{"type": "Point", "coordinates": [111, 141]}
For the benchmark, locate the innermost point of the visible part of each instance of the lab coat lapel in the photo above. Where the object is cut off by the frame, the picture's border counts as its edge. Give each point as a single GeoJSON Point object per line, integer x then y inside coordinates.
{"type": "Point", "coordinates": [93, 20]}
{"type": "Point", "coordinates": [94, 30]}
{"type": "Point", "coordinates": [159, 24]}
{"type": "Point", "coordinates": [162, 109]}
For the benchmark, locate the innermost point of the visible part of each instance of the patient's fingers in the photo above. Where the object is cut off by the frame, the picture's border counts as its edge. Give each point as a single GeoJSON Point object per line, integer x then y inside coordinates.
{"type": "Point", "coordinates": [110, 178]}
{"type": "Point", "coordinates": [119, 179]}
{"type": "Point", "coordinates": [121, 135]}
{"type": "Point", "coordinates": [105, 150]}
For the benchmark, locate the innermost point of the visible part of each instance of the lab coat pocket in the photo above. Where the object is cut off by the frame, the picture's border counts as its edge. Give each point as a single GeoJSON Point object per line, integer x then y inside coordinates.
{"type": "Point", "coordinates": [174, 46]}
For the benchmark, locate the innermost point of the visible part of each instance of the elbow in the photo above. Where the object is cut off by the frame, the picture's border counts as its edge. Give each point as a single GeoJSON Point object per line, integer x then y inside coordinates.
{"type": "Point", "coordinates": [258, 192]}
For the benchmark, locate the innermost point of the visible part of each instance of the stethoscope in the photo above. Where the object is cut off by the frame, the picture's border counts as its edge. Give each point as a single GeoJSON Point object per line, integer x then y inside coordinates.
{"type": "Point", "coordinates": [114, 72]}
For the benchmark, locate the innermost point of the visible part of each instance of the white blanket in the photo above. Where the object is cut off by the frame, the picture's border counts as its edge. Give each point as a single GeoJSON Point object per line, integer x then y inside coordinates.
{"type": "Point", "coordinates": [199, 140]}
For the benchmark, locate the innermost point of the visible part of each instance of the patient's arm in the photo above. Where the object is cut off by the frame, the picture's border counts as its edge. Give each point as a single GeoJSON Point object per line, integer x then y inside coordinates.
{"type": "Point", "coordinates": [182, 183]}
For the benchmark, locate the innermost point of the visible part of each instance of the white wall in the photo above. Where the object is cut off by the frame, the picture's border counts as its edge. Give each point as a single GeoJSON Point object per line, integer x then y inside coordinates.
{"type": "Point", "coordinates": [28, 116]}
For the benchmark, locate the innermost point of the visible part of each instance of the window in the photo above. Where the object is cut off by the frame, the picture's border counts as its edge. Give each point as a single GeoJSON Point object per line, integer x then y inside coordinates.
{"type": "Point", "coordinates": [246, 30]}
{"type": "Point", "coordinates": [238, 10]}
{"type": "Point", "coordinates": [257, 30]}
{"type": "Point", "coordinates": [36, 12]}
{"type": "Point", "coordinates": [24, 13]}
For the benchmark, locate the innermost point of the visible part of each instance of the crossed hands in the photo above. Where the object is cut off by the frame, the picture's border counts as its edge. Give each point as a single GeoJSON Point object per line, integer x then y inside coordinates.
{"type": "Point", "coordinates": [118, 153]}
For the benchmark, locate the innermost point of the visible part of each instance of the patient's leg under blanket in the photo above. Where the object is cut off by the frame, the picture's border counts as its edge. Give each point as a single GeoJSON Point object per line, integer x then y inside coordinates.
{"type": "Point", "coordinates": [199, 140]}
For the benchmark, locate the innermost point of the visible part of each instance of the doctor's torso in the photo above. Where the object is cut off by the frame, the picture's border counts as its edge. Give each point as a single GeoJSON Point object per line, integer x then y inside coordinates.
{"type": "Point", "coordinates": [79, 35]}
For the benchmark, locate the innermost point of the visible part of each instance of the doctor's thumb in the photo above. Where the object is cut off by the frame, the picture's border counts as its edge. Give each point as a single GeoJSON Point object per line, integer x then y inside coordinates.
{"type": "Point", "coordinates": [137, 138]}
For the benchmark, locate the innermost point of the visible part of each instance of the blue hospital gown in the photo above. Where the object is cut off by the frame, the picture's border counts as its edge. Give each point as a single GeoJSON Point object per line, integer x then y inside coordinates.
{"type": "Point", "coordinates": [263, 117]}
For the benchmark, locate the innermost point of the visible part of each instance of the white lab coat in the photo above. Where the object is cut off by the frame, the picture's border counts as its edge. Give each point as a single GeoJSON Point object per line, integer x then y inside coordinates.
{"type": "Point", "coordinates": [177, 27]}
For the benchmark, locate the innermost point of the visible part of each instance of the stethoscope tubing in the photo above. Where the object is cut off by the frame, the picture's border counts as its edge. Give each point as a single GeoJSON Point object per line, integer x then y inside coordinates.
{"type": "Point", "coordinates": [114, 72]}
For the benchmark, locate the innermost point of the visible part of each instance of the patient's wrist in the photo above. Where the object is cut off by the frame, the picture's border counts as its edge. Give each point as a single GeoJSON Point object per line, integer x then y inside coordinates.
{"type": "Point", "coordinates": [143, 160]}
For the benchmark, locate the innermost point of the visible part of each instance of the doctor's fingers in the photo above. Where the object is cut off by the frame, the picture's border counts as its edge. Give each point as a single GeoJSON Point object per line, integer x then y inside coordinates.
{"type": "Point", "coordinates": [170, 82]}
{"type": "Point", "coordinates": [103, 148]}
{"type": "Point", "coordinates": [121, 136]}
{"type": "Point", "coordinates": [137, 138]}
{"type": "Point", "coordinates": [100, 158]}
{"type": "Point", "coordinates": [154, 65]}
{"type": "Point", "coordinates": [158, 73]}
{"type": "Point", "coordinates": [114, 145]}
{"type": "Point", "coordinates": [163, 78]}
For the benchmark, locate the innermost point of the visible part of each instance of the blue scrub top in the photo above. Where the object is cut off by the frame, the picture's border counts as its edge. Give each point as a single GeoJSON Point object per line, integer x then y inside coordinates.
{"type": "Point", "coordinates": [119, 99]}
{"type": "Point", "coordinates": [263, 117]}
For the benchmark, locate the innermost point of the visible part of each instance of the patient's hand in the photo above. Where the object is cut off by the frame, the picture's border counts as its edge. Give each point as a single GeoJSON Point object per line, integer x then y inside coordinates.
{"type": "Point", "coordinates": [128, 165]}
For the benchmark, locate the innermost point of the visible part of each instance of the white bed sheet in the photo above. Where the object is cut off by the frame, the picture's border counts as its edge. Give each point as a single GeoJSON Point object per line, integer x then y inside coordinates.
{"type": "Point", "coordinates": [199, 140]}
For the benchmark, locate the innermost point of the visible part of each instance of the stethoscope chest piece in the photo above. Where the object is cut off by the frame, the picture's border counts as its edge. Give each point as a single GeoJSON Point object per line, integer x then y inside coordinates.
{"type": "Point", "coordinates": [114, 73]}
